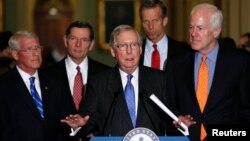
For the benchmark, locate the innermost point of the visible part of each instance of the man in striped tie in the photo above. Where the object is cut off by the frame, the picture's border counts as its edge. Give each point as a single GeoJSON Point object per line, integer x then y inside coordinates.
{"type": "Point", "coordinates": [31, 104]}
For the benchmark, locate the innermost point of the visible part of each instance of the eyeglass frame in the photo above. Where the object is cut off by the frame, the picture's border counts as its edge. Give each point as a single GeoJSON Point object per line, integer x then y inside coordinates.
{"type": "Point", "coordinates": [124, 46]}
{"type": "Point", "coordinates": [31, 49]}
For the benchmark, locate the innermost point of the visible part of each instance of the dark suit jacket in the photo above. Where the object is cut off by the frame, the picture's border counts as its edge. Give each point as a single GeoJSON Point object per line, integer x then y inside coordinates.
{"type": "Point", "coordinates": [229, 96]}
{"type": "Point", "coordinates": [58, 71]}
{"type": "Point", "coordinates": [19, 117]}
{"type": "Point", "coordinates": [105, 103]}
{"type": "Point", "coordinates": [175, 48]}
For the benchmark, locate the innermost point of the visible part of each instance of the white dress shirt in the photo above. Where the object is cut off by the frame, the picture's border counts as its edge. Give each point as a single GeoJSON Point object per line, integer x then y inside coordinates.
{"type": "Point", "coordinates": [72, 71]}
{"type": "Point", "coordinates": [162, 47]}
{"type": "Point", "coordinates": [134, 81]}
{"type": "Point", "coordinates": [25, 76]}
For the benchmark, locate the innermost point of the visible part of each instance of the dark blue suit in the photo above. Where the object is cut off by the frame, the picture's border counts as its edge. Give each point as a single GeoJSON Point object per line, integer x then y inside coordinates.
{"type": "Point", "coordinates": [19, 117]}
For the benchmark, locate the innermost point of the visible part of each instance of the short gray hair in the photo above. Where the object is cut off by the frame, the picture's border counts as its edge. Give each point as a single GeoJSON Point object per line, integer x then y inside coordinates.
{"type": "Point", "coordinates": [216, 17]}
{"type": "Point", "coordinates": [14, 39]}
{"type": "Point", "coordinates": [119, 29]}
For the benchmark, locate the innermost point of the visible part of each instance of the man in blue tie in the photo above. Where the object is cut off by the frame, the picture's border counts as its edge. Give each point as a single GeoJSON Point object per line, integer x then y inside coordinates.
{"type": "Point", "coordinates": [31, 104]}
{"type": "Point", "coordinates": [117, 100]}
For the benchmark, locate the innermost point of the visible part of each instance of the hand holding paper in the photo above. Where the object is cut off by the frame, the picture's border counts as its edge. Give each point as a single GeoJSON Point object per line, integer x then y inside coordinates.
{"type": "Point", "coordinates": [184, 128]}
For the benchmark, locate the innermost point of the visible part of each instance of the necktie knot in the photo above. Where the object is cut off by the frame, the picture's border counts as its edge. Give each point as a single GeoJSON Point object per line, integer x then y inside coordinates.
{"type": "Point", "coordinates": [78, 69]}
{"type": "Point", "coordinates": [129, 77]}
{"type": "Point", "coordinates": [204, 58]}
{"type": "Point", "coordinates": [32, 80]}
{"type": "Point", "coordinates": [155, 46]}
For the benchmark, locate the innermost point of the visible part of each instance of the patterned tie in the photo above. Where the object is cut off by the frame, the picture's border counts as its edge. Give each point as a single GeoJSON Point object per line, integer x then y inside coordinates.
{"type": "Point", "coordinates": [202, 91]}
{"type": "Point", "coordinates": [155, 60]}
{"type": "Point", "coordinates": [130, 99]}
{"type": "Point", "coordinates": [78, 88]}
{"type": "Point", "coordinates": [35, 96]}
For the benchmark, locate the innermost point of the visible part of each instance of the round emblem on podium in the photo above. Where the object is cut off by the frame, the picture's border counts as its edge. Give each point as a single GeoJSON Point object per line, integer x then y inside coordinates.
{"type": "Point", "coordinates": [141, 134]}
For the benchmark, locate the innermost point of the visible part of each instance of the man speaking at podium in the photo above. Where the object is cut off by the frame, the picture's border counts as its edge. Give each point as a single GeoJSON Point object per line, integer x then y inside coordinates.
{"type": "Point", "coordinates": [117, 100]}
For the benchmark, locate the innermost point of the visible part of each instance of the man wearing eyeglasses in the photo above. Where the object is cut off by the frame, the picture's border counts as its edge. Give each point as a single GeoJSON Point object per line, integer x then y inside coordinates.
{"type": "Point", "coordinates": [111, 107]}
{"type": "Point", "coordinates": [31, 104]}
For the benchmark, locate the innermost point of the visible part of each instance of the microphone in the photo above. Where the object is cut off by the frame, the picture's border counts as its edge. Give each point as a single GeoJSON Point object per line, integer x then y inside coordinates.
{"type": "Point", "coordinates": [111, 112]}
{"type": "Point", "coordinates": [144, 98]}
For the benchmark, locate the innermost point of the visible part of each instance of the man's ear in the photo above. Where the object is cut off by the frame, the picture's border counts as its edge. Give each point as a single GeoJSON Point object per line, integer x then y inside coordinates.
{"type": "Point", "coordinates": [112, 51]}
{"type": "Point", "coordinates": [14, 54]}
{"type": "Point", "coordinates": [217, 32]}
{"type": "Point", "coordinates": [65, 41]}
{"type": "Point", "coordinates": [165, 21]}
{"type": "Point", "coordinates": [92, 43]}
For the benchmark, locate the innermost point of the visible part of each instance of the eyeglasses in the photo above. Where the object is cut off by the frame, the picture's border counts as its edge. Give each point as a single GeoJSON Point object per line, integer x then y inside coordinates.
{"type": "Point", "coordinates": [74, 39]}
{"type": "Point", "coordinates": [124, 46]}
{"type": "Point", "coordinates": [29, 50]}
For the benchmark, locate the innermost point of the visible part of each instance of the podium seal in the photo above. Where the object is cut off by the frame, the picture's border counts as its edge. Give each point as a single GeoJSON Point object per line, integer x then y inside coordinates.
{"type": "Point", "coordinates": [141, 134]}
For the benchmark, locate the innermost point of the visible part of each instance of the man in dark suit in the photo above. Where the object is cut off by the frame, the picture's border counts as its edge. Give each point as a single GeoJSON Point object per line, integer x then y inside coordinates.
{"type": "Point", "coordinates": [105, 110]}
{"type": "Point", "coordinates": [30, 111]}
{"type": "Point", "coordinates": [227, 94]}
{"type": "Point", "coordinates": [153, 14]}
{"type": "Point", "coordinates": [79, 40]}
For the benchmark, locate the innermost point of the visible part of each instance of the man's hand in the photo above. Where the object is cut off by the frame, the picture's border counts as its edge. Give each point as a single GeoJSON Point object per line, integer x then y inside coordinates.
{"type": "Point", "coordinates": [75, 121]}
{"type": "Point", "coordinates": [187, 120]}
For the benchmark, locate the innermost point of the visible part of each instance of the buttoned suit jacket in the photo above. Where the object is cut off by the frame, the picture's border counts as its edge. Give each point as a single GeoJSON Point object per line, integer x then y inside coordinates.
{"type": "Point", "coordinates": [20, 119]}
{"type": "Point", "coordinates": [229, 95]}
{"type": "Point", "coordinates": [106, 105]}
{"type": "Point", "coordinates": [175, 48]}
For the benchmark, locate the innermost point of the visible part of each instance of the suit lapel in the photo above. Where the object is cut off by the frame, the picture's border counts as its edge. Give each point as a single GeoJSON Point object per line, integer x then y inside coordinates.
{"type": "Point", "coordinates": [188, 80]}
{"type": "Point", "coordinates": [122, 106]}
{"type": "Point", "coordinates": [219, 73]}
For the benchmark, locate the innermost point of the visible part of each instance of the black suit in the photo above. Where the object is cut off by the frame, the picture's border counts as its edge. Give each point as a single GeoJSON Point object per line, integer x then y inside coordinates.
{"type": "Point", "coordinates": [20, 119]}
{"type": "Point", "coordinates": [106, 87]}
{"type": "Point", "coordinates": [59, 72]}
{"type": "Point", "coordinates": [229, 96]}
{"type": "Point", "coordinates": [174, 48]}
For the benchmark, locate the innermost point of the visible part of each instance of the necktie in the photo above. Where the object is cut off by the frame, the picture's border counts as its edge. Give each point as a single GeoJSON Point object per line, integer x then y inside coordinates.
{"type": "Point", "coordinates": [78, 88]}
{"type": "Point", "coordinates": [155, 60]}
{"type": "Point", "coordinates": [130, 99]}
{"type": "Point", "coordinates": [35, 96]}
{"type": "Point", "coordinates": [202, 91]}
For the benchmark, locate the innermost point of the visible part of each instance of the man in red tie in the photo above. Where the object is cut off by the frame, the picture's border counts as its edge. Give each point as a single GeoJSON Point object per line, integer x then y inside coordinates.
{"type": "Point", "coordinates": [158, 48]}
{"type": "Point", "coordinates": [75, 69]}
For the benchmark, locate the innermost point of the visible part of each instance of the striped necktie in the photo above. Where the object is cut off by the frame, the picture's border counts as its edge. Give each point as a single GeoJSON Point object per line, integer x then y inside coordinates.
{"type": "Point", "coordinates": [35, 96]}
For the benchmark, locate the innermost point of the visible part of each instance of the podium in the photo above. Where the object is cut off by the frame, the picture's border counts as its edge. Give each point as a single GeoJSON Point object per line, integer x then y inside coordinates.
{"type": "Point", "coordinates": [162, 138]}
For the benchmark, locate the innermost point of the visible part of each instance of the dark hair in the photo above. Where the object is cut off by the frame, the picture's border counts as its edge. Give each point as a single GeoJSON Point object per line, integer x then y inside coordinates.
{"type": "Point", "coordinates": [80, 24]}
{"type": "Point", "coordinates": [4, 39]}
{"type": "Point", "coordinates": [147, 4]}
{"type": "Point", "coordinates": [246, 35]}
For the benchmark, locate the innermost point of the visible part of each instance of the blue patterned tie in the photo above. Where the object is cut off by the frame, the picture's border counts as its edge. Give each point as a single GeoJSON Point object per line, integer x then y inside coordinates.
{"type": "Point", "coordinates": [35, 96]}
{"type": "Point", "coordinates": [130, 99]}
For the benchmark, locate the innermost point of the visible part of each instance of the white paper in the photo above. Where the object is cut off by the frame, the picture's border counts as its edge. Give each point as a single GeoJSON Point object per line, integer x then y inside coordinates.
{"type": "Point", "coordinates": [170, 113]}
